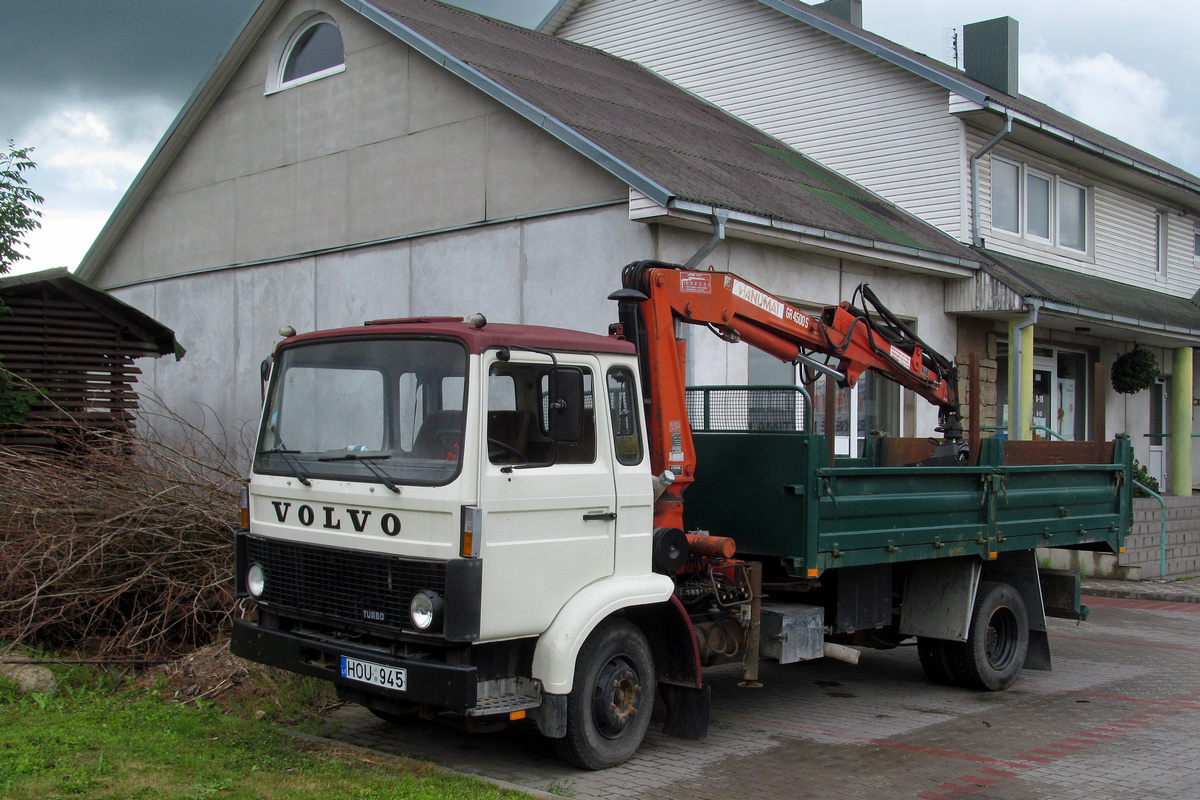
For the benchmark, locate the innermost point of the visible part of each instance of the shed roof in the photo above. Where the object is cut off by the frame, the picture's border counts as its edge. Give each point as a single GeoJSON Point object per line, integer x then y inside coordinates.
{"type": "Point", "coordinates": [76, 346]}
{"type": "Point", "coordinates": [135, 325]}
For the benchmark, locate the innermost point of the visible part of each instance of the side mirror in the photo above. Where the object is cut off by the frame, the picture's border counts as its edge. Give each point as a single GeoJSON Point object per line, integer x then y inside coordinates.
{"type": "Point", "coordinates": [264, 374]}
{"type": "Point", "coordinates": [565, 422]}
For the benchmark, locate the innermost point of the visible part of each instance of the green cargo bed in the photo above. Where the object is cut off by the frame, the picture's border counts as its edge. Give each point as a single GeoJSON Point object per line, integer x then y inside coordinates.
{"type": "Point", "coordinates": [775, 493]}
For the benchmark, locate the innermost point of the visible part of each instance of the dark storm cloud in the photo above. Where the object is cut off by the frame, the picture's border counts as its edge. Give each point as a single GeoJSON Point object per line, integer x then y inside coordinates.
{"type": "Point", "coordinates": [97, 51]}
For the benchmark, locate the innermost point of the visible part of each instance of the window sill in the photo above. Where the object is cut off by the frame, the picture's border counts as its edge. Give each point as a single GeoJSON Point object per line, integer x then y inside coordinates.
{"type": "Point", "coordinates": [1004, 237]}
{"type": "Point", "coordinates": [314, 76]}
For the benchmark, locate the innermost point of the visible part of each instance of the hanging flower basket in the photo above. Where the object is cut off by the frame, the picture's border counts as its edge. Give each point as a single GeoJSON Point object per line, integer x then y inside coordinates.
{"type": "Point", "coordinates": [1134, 371]}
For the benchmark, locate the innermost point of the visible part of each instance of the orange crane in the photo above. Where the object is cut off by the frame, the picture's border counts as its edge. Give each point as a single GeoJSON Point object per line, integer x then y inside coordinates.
{"type": "Point", "coordinates": [659, 297]}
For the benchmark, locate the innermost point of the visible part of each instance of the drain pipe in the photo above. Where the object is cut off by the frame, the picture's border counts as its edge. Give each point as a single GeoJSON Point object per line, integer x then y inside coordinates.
{"type": "Point", "coordinates": [976, 237]}
{"type": "Point", "coordinates": [1016, 379]}
{"type": "Point", "coordinates": [720, 217]}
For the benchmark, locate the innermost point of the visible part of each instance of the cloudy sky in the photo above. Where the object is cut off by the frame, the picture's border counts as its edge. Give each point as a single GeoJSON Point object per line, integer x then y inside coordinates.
{"type": "Point", "coordinates": [93, 84]}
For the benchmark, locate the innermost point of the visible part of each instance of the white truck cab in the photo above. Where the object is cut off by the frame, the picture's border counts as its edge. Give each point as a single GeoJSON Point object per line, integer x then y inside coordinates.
{"type": "Point", "coordinates": [440, 513]}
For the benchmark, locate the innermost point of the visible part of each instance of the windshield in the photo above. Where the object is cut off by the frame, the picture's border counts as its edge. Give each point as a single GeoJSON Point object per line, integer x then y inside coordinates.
{"type": "Point", "coordinates": [381, 410]}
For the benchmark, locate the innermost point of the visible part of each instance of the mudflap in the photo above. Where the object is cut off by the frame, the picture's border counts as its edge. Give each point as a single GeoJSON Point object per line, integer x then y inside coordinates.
{"type": "Point", "coordinates": [1038, 654]}
{"type": "Point", "coordinates": [688, 709]}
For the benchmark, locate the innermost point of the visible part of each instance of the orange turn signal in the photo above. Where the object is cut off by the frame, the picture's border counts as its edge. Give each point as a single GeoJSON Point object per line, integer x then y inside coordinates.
{"type": "Point", "coordinates": [244, 511]}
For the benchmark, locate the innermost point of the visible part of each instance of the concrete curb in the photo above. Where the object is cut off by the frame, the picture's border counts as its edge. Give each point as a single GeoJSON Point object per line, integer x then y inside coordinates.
{"type": "Point", "coordinates": [1167, 592]}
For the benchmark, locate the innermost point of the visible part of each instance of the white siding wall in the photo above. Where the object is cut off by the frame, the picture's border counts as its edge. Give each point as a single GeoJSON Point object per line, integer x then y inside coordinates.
{"type": "Point", "coordinates": [853, 112]}
{"type": "Point", "coordinates": [1122, 228]}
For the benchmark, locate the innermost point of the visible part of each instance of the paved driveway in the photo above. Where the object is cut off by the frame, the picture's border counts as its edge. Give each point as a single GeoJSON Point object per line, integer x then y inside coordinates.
{"type": "Point", "coordinates": [1118, 717]}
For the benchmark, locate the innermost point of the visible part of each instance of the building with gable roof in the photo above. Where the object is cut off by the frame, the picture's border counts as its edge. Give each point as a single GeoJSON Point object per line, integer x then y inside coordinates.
{"type": "Point", "coordinates": [347, 161]}
{"type": "Point", "coordinates": [1089, 246]}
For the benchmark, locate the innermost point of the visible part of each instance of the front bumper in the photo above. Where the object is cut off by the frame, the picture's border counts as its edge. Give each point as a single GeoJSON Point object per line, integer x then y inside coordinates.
{"type": "Point", "coordinates": [430, 683]}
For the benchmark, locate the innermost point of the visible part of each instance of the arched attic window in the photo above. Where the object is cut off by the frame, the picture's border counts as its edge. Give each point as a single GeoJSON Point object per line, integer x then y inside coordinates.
{"type": "Point", "coordinates": [309, 49]}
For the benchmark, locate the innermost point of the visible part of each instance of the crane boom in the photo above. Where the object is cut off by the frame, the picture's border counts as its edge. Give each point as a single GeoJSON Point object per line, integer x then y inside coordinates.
{"type": "Point", "coordinates": [658, 297]}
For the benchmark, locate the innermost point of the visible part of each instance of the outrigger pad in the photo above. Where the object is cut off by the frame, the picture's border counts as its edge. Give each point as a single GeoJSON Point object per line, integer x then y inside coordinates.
{"type": "Point", "coordinates": [688, 710]}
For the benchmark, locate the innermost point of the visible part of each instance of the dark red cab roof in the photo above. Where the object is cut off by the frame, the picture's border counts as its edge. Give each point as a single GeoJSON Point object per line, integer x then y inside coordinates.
{"type": "Point", "coordinates": [491, 335]}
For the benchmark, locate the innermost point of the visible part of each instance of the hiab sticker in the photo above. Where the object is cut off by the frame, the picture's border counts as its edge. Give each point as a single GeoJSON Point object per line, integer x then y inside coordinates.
{"type": "Point", "coordinates": [695, 282]}
{"type": "Point", "coordinates": [758, 297]}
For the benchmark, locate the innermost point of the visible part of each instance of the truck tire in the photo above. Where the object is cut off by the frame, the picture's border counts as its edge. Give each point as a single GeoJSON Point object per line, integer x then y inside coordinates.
{"type": "Point", "coordinates": [996, 641]}
{"type": "Point", "coordinates": [608, 709]}
{"type": "Point", "coordinates": [935, 660]}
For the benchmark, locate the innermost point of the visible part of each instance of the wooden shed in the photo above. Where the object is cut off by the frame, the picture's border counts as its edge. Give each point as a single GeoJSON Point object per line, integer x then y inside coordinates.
{"type": "Point", "coordinates": [77, 345]}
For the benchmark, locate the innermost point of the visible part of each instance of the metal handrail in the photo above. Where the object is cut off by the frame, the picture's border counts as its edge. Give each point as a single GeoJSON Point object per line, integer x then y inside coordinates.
{"type": "Point", "coordinates": [1058, 436]}
{"type": "Point", "coordinates": [1162, 537]}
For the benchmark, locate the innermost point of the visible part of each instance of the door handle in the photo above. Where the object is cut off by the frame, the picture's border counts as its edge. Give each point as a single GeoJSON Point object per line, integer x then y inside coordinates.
{"type": "Point", "coordinates": [600, 516]}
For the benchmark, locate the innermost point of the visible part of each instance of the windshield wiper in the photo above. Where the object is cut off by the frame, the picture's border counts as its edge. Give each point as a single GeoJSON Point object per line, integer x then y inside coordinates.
{"type": "Point", "coordinates": [367, 460]}
{"type": "Point", "coordinates": [286, 455]}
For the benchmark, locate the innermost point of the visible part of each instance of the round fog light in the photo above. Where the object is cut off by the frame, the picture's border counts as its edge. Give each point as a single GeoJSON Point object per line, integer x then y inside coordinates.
{"type": "Point", "coordinates": [425, 610]}
{"type": "Point", "coordinates": [256, 580]}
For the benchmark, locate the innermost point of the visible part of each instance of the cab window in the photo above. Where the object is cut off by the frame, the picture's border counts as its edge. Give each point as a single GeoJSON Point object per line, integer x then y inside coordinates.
{"type": "Point", "coordinates": [623, 404]}
{"type": "Point", "coordinates": [518, 426]}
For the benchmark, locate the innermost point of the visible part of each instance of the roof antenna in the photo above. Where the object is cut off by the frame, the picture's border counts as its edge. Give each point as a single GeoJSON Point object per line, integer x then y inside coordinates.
{"type": "Point", "coordinates": [950, 45]}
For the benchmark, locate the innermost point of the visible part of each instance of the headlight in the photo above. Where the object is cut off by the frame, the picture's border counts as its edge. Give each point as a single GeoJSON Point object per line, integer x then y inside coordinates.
{"type": "Point", "coordinates": [425, 610]}
{"type": "Point", "coordinates": [256, 580]}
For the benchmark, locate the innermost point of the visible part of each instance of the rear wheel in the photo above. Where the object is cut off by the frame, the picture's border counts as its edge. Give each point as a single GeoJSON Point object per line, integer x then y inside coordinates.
{"type": "Point", "coordinates": [608, 710]}
{"type": "Point", "coordinates": [935, 660]}
{"type": "Point", "coordinates": [997, 640]}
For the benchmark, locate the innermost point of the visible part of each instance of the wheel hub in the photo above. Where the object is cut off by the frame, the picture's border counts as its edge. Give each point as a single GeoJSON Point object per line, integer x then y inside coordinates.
{"type": "Point", "coordinates": [615, 697]}
{"type": "Point", "coordinates": [1001, 642]}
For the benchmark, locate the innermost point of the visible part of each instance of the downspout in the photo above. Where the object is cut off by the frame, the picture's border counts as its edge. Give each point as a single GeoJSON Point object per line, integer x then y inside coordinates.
{"type": "Point", "coordinates": [976, 238]}
{"type": "Point", "coordinates": [1017, 427]}
{"type": "Point", "coordinates": [720, 217]}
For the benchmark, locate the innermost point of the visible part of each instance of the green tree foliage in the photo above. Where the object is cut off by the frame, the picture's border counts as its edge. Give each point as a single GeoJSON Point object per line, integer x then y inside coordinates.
{"type": "Point", "coordinates": [18, 215]}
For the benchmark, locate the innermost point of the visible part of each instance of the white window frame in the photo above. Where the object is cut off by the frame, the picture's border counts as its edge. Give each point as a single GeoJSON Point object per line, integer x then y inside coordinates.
{"type": "Point", "coordinates": [287, 41]}
{"type": "Point", "coordinates": [1162, 241]}
{"type": "Point", "coordinates": [1028, 172]}
{"type": "Point", "coordinates": [1054, 242]}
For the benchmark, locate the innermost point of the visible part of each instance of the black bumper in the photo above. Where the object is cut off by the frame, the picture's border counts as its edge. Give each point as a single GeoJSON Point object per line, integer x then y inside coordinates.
{"type": "Point", "coordinates": [448, 686]}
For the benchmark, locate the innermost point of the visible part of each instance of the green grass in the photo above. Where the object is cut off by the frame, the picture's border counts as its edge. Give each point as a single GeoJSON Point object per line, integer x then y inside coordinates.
{"type": "Point", "coordinates": [102, 738]}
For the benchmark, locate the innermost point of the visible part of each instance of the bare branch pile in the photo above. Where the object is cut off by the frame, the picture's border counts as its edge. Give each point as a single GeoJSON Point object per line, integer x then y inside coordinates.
{"type": "Point", "coordinates": [119, 544]}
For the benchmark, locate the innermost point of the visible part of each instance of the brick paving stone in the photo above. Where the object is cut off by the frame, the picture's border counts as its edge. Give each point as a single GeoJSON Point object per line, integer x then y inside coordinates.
{"type": "Point", "coordinates": [1118, 717]}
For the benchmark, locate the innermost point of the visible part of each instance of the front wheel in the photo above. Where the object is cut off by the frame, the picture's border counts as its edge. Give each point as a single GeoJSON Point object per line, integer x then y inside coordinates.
{"type": "Point", "coordinates": [608, 709]}
{"type": "Point", "coordinates": [997, 640]}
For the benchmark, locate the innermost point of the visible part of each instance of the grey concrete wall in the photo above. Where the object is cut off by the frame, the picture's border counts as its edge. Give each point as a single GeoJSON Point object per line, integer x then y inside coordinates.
{"type": "Point", "coordinates": [395, 145]}
{"type": "Point", "coordinates": [555, 270]}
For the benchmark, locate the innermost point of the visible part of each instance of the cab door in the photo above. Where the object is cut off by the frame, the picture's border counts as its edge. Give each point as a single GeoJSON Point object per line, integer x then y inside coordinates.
{"type": "Point", "coordinates": [549, 509]}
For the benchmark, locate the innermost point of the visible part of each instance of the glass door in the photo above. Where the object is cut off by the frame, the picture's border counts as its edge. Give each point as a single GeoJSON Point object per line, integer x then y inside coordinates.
{"type": "Point", "coordinates": [1157, 465]}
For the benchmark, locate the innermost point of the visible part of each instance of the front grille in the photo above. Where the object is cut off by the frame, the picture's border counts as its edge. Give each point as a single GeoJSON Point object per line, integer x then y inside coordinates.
{"type": "Point", "coordinates": [365, 590]}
